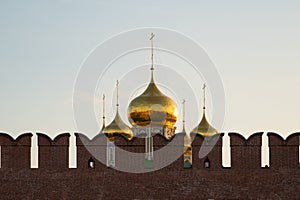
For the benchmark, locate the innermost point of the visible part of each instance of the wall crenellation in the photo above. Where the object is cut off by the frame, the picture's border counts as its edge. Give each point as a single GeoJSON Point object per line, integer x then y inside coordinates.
{"type": "Point", "coordinates": [245, 153]}
{"type": "Point", "coordinates": [15, 153]}
{"type": "Point", "coordinates": [284, 153]}
{"type": "Point", "coordinates": [53, 154]}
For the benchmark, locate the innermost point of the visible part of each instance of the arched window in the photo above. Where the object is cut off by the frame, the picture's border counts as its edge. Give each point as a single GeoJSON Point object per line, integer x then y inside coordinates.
{"type": "Point", "coordinates": [206, 163]}
{"type": "Point", "coordinates": [91, 163]}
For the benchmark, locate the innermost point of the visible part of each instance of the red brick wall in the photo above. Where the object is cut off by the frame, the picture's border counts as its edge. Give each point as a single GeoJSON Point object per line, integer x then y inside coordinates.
{"type": "Point", "coordinates": [53, 154]}
{"type": "Point", "coordinates": [245, 180]}
{"type": "Point", "coordinates": [169, 153]}
{"type": "Point", "coordinates": [95, 149]}
{"type": "Point", "coordinates": [284, 153]}
{"type": "Point", "coordinates": [208, 147]}
{"type": "Point", "coordinates": [180, 184]}
{"type": "Point", "coordinates": [245, 153]}
{"type": "Point", "coordinates": [15, 153]}
{"type": "Point", "coordinates": [124, 153]}
{"type": "Point", "coordinates": [135, 145]}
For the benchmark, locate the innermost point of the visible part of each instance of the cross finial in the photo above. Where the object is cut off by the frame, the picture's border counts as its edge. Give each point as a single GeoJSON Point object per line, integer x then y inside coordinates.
{"type": "Point", "coordinates": [152, 36]}
{"type": "Point", "coordinates": [117, 86]}
{"type": "Point", "coordinates": [204, 95]}
{"type": "Point", "coordinates": [103, 110]}
{"type": "Point", "coordinates": [183, 115]}
{"type": "Point", "coordinates": [152, 58]}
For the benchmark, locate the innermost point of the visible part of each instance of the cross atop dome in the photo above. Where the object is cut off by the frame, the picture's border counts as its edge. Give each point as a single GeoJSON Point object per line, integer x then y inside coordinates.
{"type": "Point", "coordinates": [152, 57]}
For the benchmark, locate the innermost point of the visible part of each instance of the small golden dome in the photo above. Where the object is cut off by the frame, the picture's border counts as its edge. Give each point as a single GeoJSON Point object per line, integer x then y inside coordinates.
{"type": "Point", "coordinates": [152, 107]}
{"type": "Point", "coordinates": [117, 126]}
{"type": "Point", "coordinates": [204, 128]}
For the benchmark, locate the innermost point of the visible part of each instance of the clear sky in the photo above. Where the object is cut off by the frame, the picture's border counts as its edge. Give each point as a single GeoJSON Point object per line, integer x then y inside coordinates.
{"type": "Point", "coordinates": [254, 45]}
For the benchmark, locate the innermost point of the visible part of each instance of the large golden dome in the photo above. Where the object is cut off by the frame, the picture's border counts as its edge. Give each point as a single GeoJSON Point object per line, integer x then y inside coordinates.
{"type": "Point", "coordinates": [152, 107]}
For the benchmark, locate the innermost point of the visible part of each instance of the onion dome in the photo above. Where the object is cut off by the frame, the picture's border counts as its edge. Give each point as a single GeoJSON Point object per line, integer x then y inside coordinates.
{"type": "Point", "coordinates": [204, 128]}
{"type": "Point", "coordinates": [117, 126]}
{"type": "Point", "coordinates": [152, 107]}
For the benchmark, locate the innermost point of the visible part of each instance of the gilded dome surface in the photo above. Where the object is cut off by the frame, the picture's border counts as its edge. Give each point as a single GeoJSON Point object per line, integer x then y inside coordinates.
{"type": "Point", "coordinates": [117, 126]}
{"type": "Point", "coordinates": [152, 107]}
{"type": "Point", "coordinates": [204, 128]}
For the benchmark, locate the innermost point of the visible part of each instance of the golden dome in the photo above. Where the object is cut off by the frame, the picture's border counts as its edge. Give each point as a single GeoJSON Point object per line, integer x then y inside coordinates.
{"type": "Point", "coordinates": [152, 107]}
{"type": "Point", "coordinates": [117, 126]}
{"type": "Point", "coordinates": [204, 128]}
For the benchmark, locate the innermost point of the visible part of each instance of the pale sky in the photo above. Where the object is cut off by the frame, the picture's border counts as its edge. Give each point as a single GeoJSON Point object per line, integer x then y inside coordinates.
{"type": "Point", "coordinates": [254, 45]}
